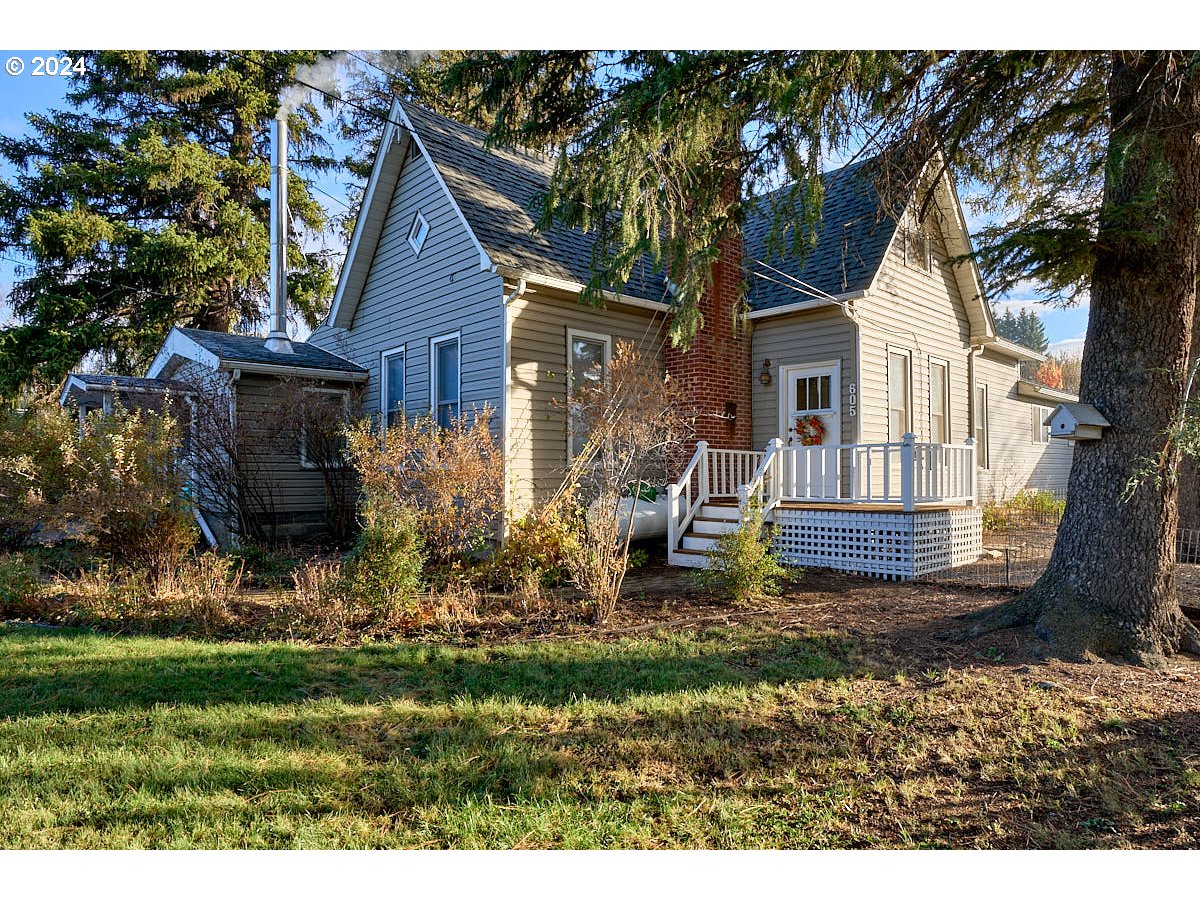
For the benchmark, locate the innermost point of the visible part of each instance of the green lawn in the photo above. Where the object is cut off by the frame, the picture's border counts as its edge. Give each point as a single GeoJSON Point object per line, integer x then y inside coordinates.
{"type": "Point", "coordinates": [746, 737]}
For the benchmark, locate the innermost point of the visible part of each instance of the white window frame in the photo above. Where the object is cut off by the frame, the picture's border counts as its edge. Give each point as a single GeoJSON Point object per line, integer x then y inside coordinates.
{"type": "Point", "coordinates": [606, 357]}
{"type": "Point", "coordinates": [944, 365]}
{"type": "Point", "coordinates": [304, 463]}
{"type": "Point", "coordinates": [1039, 433]}
{"type": "Point", "coordinates": [418, 232]}
{"type": "Point", "coordinates": [908, 399]}
{"type": "Point", "coordinates": [982, 447]}
{"type": "Point", "coordinates": [384, 356]}
{"type": "Point", "coordinates": [455, 336]}
{"type": "Point", "coordinates": [925, 264]}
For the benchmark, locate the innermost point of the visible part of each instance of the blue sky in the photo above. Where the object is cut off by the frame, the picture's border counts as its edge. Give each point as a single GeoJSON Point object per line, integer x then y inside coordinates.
{"type": "Point", "coordinates": [26, 93]}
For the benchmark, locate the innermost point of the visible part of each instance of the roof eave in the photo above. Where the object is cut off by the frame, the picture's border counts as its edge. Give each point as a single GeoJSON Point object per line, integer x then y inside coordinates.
{"type": "Point", "coordinates": [575, 287]}
{"type": "Point", "coordinates": [258, 368]}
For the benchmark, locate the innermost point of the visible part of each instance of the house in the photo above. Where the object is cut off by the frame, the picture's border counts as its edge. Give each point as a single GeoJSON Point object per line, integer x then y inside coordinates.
{"type": "Point", "coordinates": [868, 399]}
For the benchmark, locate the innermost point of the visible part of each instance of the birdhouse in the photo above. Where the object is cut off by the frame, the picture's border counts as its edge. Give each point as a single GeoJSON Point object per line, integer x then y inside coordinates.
{"type": "Point", "coordinates": [1076, 422]}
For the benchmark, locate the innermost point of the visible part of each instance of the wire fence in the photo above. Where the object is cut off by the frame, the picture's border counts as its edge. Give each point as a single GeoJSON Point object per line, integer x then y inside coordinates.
{"type": "Point", "coordinates": [1017, 548]}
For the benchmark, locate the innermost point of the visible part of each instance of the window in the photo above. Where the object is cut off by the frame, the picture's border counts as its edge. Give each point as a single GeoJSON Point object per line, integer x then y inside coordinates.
{"type": "Point", "coordinates": [980, 432]}
{"type": "Point", "coordinates": [899, 380]}
{"type": "Point", "coordinates": [1039, 433]}
{"type": "Point", "coordinates": [417, 232]}
{"type": "Point", "coordinates": [939, 401]}
{"type": "Point", "coordinates": [813, 394]}
{"type": "Point", "coordinates": [322, 440]}
{"type": "Point", "coordinates": [917, 250]}
{"type": "Point", "coordinates": [391, 391]}
{"type": "Point", "coordinates": [444, 379]}
{"type": "Point", "coordinates": [588, 356]}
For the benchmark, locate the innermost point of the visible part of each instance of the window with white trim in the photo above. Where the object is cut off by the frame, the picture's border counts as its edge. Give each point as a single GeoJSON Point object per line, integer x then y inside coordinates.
{"type": "Point", "coordinates": [324, 443]}
{"type": "Point", "coordinates": [980, 425]}
{"type": "Point", "coordinates": [939, 401]}
{"type": "Point", "coordinates": [391, 388]}
{"type": "Point", "coordinates": [1039, 433]}
{"type": "Point", "coordinates": [588, 356]}
{"type": "Point", "coordinates": [899, 393]}
{"type": "Point", "coordinates": [417, 232]}
{"type": "Point", "coordinates": [445, 383]}
{"type": "Point", "coordinates": [918, 251]}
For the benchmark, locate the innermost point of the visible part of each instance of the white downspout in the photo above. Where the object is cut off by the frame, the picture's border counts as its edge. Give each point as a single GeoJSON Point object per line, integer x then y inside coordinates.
{"type": "Point", "coordinates": [506, 389]}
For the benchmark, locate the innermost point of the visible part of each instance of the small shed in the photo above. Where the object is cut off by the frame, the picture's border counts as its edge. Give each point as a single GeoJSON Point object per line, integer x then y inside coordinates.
{"type": "Point", "coordinates": [1077, 422]}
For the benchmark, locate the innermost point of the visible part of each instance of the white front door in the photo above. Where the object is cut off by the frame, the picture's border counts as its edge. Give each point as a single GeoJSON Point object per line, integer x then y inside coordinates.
{"type": "Point", "coordinates": [811, 395]}
{"type": "Point", "coordinates": [811, 391]}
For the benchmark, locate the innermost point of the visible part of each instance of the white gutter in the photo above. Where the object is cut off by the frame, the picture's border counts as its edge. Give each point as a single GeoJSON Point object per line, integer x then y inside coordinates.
{"type": "Point", "coordinates": [255, 368]}
{"type": "Point", "coordinates": [1015, 350]}
{"type": "Point", "coordinates": [575, 287]}
{"type": "Point", "coordinates": [803, 305]}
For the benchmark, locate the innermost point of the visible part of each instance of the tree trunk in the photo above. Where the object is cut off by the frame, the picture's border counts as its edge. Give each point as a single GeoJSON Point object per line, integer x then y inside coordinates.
{"type": "Point", "coordinates": [1110, 586]}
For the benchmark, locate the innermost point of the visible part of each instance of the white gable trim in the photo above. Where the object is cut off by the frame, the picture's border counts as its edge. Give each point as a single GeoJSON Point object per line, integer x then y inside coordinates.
{"type": "Point", "coordinates": [351, 263]}
{"type": "Point", "coordinates": [485, 261]}
{"type": "Point", "coordinates": [958, 240]}
{"type": "Point", "coordinates": [179, 345]}
{"type": "Point", "coordinates": [398, 134]}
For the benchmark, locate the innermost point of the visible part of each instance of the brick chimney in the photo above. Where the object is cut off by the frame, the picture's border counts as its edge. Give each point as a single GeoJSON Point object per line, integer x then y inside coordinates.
{"type": "Point", "coordinates": [713, 375]}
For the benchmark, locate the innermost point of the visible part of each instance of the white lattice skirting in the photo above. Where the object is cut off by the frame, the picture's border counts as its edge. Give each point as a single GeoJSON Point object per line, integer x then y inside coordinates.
{"type": "Point", "coordinates": [895, 545]}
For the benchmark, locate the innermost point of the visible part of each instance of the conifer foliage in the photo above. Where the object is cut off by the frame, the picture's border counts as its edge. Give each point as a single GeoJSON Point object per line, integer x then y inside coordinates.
{"type": "Point", "coordinates": [143, 205]}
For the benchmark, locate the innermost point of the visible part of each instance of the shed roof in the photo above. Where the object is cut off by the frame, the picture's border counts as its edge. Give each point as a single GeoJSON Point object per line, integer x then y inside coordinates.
{"type": "Point", "coordinates": [250, 349]}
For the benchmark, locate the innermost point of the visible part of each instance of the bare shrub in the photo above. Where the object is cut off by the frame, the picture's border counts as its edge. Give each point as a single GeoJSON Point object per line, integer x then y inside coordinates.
{"type": "Point", "coordinates": [451, 477]}
{"type": "Point", "coordinates": [321, 608]}
{"type": "Point", "coordinates": [635, 424]}
{"type": "Point", "coordinates": [232, 457]}
{"type": "Point", "coordinates": [314, 419]}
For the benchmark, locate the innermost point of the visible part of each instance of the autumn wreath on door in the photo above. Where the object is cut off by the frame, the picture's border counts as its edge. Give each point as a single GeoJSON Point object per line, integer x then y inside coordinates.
{"type": "Point", "coordinates": [810, 430]}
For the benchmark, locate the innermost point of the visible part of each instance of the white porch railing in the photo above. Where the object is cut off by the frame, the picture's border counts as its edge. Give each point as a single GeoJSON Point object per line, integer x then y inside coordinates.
{"type": "Point", "coordinates": [901, 473]}
{"type": "Point", "coordinates": [709, 474]}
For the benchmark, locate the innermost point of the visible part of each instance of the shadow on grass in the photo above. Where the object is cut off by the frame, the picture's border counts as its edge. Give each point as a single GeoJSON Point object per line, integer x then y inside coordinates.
{"type": "Point", "coordinates": [73, 671]}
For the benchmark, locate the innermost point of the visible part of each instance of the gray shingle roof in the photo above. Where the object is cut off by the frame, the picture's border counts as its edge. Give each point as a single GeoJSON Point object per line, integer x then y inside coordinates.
{"type": "Point", "coordinates": [496, 191]}
{"type": "Point", "coordinates": [243, 348]}
{"type": "Point", "coordinates": [851, 240]}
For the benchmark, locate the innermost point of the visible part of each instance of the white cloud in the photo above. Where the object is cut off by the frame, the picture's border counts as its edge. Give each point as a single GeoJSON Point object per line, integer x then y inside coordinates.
{"type": "Point", "coordinates": [1069, 347]}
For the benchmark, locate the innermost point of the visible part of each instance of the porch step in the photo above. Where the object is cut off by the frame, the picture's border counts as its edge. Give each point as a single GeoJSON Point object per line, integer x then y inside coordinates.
{"type": "Point", "coordinates": [705, 525]}
{"type": "Point", "coordinates": [703, 542]}
{"type": "Point", "coordinates": [719, 512]}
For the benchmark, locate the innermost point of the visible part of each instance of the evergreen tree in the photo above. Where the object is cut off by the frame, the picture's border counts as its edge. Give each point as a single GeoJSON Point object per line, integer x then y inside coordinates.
{"type": "Point", "coordinates": [1033, 333]}
{"type": "Point", "coordinates": [1091, 160]}
{"type": "Point", "coordinates": [143, 206]}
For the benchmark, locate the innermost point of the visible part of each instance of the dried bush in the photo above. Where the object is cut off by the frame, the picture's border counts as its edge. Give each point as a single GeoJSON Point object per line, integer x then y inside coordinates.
{"type": "Point", "coordinates": [452, 478]}
{"type": "Point", "coordinates": [36, 446]}
{"type": "Point", "coordinates": [202, 591]}
{"type": "Point", "coordinates": [635, 425]}
{"type": "Point", "coordinates": [321, 608]}
{"type": "Point", "coordinates": [741, 566]}
{"type": "Point", "coordinates": [114, 483]}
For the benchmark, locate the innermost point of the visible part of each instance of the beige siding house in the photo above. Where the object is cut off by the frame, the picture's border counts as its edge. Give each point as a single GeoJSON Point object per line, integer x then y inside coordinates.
{"type": "Point", "coordinates": [883, 407]}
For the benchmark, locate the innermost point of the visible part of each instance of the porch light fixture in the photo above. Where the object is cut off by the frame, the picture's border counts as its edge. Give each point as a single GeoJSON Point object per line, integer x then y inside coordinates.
{"type": "Point", "coordinates": [764, 377]}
